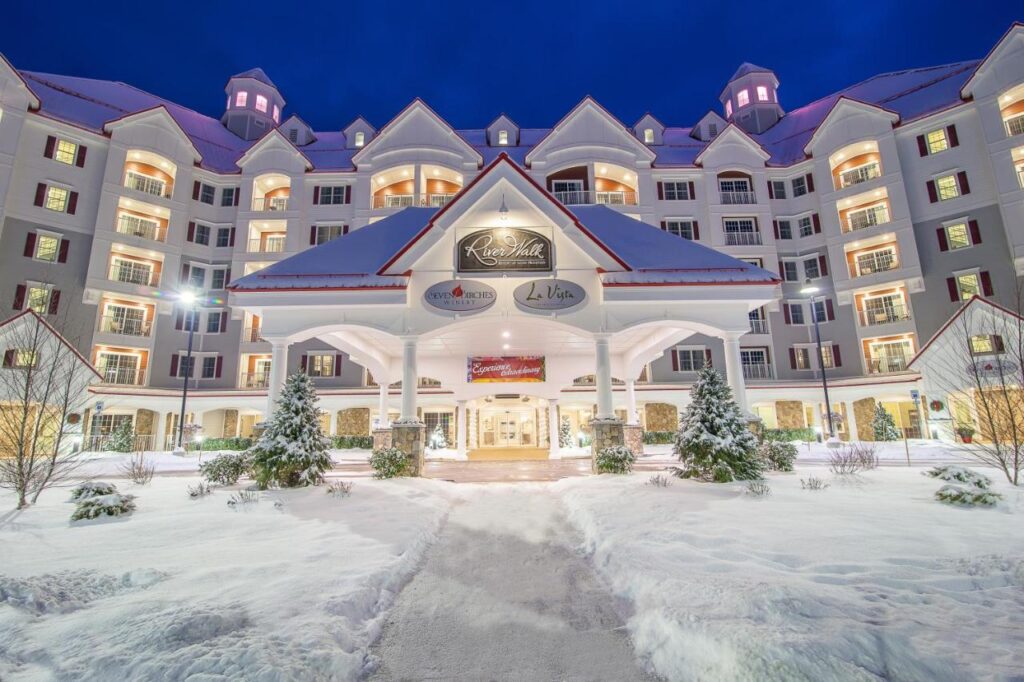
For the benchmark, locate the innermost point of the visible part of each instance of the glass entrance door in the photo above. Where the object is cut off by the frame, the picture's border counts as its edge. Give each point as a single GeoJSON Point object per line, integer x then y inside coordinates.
{"type": "Point", "coordinates": [508, 428]}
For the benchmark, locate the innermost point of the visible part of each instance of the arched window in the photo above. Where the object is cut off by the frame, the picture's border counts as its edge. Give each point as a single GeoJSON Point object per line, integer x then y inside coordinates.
{"type": "Point", "coordinates": [648, 135]}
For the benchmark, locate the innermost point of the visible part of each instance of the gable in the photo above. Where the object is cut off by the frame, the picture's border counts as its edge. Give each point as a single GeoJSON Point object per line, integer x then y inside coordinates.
{"type": "Point", "coordinates": [274, 151]}
{"type": "Point", "coordinates": [417, 127]}
{"type": "Point", "coordinates": [1003, 66]}
{"type": "Point", "coordinates": [503, 122]}
{"type": "Point", "coordinates": [156, 129]}
{"type": "Point", "coordinates": [589, 125]}
{"type": "Point", "coordinates": [648, 121]}
{"type": "Point", "coordinates": [14, 91]}
{"type": "Point", "coordinates": [352, 130]}
{"type": "Point", "coordinates": [732, 146]}
{"type": "Point", "coordinates": [849, 119]}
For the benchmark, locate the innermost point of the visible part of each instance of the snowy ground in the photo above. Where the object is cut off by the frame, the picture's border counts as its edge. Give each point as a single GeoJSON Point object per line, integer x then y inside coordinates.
{"type": "Point", "coordinates": [894, 453]}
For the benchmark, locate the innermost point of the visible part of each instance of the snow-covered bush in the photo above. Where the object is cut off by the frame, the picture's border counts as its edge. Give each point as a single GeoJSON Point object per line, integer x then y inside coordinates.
{"type": "Point", "coordinates": [92, 489]}
{"type": "Point", "coordinates": [353, 442]}
{"type": "Point", "coordinates": [967, 496]}
{"type": "Point", "coordinates": [292, 450]}
{"type": "Point", "coordinates": [438, 439]}
{"type": "Point", "coordinates": [659, 481]}
{"type": "Point", "coordinates": [138, 470]}
{"type": "Point", "coordinates": [114, 504]}
{"type": "Point", "coordinates": [389, 463]}
{"type": "Point", "coordinates": [713, 442]}
{"type": "Point", "coordinates": [565, 439]}
{"type": "Point", "coordinates": [759, 488]}
{"type": "Point", "coordinates": [803, 434]}
{"type": "Point", "coordinates": [777, 455]}
{"type": "Point", "coordinates": [659, 437]}
{"type": "Point", "coordinates": [200, 490]}
{"type": "Point", "coordinates": [883, 425]}
{"type": "Point", "coordinates": [865, 455]}
{"type": "Point", "coordinates": [958, 474]}
{"type": "Point", "coordinates": [227, 469]}
{"type": "Point", "coordinates": [233, 443]}
{"type": "Point", "coordinates": [243, 499]}
{"type": "Point", "coordinates": [340, 489]}
{"type": "Point", "coordinates": [122, 438]}
{"type": "Point", "coordinates": [617, 459]}
{"type": "Point", "coordinates": [813, 483]}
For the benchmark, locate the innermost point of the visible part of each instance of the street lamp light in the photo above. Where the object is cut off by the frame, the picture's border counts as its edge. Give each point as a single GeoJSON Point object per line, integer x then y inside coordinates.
{"type": "Point", "coordinates": [810, 290]}
{"type": "Point", "coordinates": [188, 299]}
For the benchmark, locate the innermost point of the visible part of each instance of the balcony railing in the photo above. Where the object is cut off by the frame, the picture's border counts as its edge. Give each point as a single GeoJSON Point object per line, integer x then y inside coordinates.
{"type": "Point", "coordinates": [146, 184]}
{"type": "Point", "coordinates": [879, 261]}
{"type": "Point", "coordinates": [269, 245]}
{"type": "Point", "coordinates": [1020, 177]}
{"type": "Point", "coordinates": [252, 335]}
{"type": "Point", "coordinates": [887, 364]}
{"type": "Point", "coordinates": [435, 200]}
{"type": "Point", "coordinates": [134, 226]}
{"type": "Point", "coordinates": [886, 315]}
{"type": "Point", "coordinates": [868, 217]}
{"type": "Point", "coordinates": [133, 273]}
{"type": "Point", "coordinates": [258, 380]}
{"type": "Point", "coordinates": [742, 238]}
{"type": "Point", "coordinates": [856, 176]}
{"type": "Point", "coordinates": [1015, 125]}
{"type": "Point", "coordinates": [586, 197]}
{"type": "Point", "coordinates": [759, 326]}
{"type": "Point", "coordinates": [99, 443]}
{"type": "Point", "coordinates": [394, 200]}
{"type": "Point", "coordinates": [757, 371]}
{"type": "Point", "coordinates": [616, 198]}
{"type": "Point", "coordinates": [270, 204]}
{"type": "Point", "coordinates": [122, 376]}
{"type": "Point", "coordinates": [126, 326]}
{"type": "Point", "coordinates": [737, 197]}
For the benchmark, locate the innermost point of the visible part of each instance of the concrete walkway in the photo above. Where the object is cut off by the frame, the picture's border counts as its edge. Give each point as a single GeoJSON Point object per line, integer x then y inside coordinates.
{"type": "Point", "coordinates": [504, 595]}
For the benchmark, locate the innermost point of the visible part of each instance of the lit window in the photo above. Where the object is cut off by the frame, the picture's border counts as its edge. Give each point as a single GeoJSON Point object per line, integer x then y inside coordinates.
{"type": "Point", "coordinates": [947, 187]}
{"type": "Point", "coordinates": [958, 236]}
{"type": "Point", "coordinates": [742, 98]}
{"type": "Point", "coordinates": [968, 285]}
{"type": "Point", "coordinates": [360, 139]}
{"type": "Point", "coordinates": [261, 103]}
{"type": "Point", "coordinates": [241, 98]}
{"type": "Point", "coordinates": [320, 365]}
{"type": "Point", "coordinates": [46, 248]}
{"type": "Point", "coordinates": [39, 299]}
{"type": "Point", "coordinates": [25, 358]}
{"type": "Point", "coordinates": [802, 358]}
{"type": "Point", "coordinates": [277, 114]}
{"type": "Point", "coordinates": [987, 344]}
{"type": "Point", "coordinates": [680, 228]}
{"type": "Point", "coordinates": [728, 108]}
{"type": "Point", "coordinates": [676, 191]}
{"type": "Point", "coordinates": [690, 359]}
{"type": "Point", "coordinates": [828, 362]}
{"type": "Point", "coordinates": [937, 141]}
{"type": "Point", "coordinates": [762, 93]}
{"type": "Point", "coordinates": [65, 152]}
{"type": "Point", "coordinates": [56, 199]}
{"type": "Point", "coordinates": [648, 136]}
{"type": "Point", "coordinates": [502, 137]}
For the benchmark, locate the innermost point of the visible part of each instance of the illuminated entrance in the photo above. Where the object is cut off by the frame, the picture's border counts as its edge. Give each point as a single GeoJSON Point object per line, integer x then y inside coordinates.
{"type": "Point", "coordinates": [510, 422]}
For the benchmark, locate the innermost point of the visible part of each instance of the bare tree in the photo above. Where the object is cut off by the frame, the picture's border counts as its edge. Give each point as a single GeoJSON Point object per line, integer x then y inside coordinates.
{"type": "Point", "coordinates": [43, 381]}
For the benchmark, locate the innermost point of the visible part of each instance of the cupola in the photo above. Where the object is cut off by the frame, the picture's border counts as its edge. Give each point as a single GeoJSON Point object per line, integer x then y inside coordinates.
{"type": "Point", "coordinates": [750, 100]}
{"type": "Point", "coordinates": [254, 105]}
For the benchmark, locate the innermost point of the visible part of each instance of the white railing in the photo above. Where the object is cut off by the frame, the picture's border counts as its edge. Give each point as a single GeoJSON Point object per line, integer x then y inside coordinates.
{"type": "Point", "coordinates": [135, 226]}
{"type": "Point", "coordinates": [270, 204]}
{"type": "Point", "coordinates": [758, 326]}
{"type": "Point", "coordinates": [146, 184]}
{"type": "Point", "coordinates": [858, 175]}
{"type": "Point", "coordinates": [99, 443]}
{"type": "Point", "coordinates": [133, 273]}
{"type": "Point", "coordinates": [616, 198]}
{"type": "Point", "coordinates": [394, 200]}
{"type": "Point", "coordinates": [878, 261]}
{"type": "Point", "coordinates": [122, 376]}
{"type": "Point", "coordinates": [868, 217]}
{"type": "Point", "coordinates": [436, 200]}
{"type": "Point", "coordinates": [884, 315]}
{"type": "Point", "coordinates": [737, 197]}
{"type": "Point", "coordinates": [573, 197]}
{"type": "Point", "coordinates": [887, 363]}
{"type": "Point", "coordinates": [742, 238]}
{"type": "Point", "coordinates": [257, 380]}
{"type": "Point", "coordinates": [757, 371]}
{"type": "Point", "coordinates": [252, 335]}
{"type": "Point", "coordinates": [268, 245]}
{"type": "Point", "coordinates": [128, 326]}
{"type": "Point", "coordinates": [1015, 125]}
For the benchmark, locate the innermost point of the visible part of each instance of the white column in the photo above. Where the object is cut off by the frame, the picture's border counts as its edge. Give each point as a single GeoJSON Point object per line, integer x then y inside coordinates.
{"type": "Point", "coordinates": [632, 416]}
{"type": "Point", "coordinates": [553, 446]}
{"type": "Point", "coordinates": [603, 374]}
{"type": "Point", "coordinates": [332, 422]}
{"type": "Point", "coordinates": [382, 404]}
{"type": "Point", "coordinates": [473, 416]}
{"type": "Point", "coordinates": [734, 371]}
{"type": "Point", "coordinates": [851, 422]}
{"type": "Point", "coordinates": [460, 427]}
{"type": "Point", "coordinates": [278, 373]}
{"type": "Point", "coordinates": [409, 380]}
{"type": "Point", "coordinates": [160, 431]}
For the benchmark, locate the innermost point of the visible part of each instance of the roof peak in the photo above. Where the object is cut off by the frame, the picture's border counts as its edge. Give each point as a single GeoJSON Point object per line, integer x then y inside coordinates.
{"type": "Point", "coordinates": [256, 74]}
{"type": "Point", "coordinates": [747, 68]}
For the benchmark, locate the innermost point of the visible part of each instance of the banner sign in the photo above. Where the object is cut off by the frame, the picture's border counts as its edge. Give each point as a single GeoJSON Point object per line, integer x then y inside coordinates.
{"type": "Point", "coordinates": [461, 296]}
{"type": "Point", "coordinates": [504, 249]}
{"type": "Point", "coordinates": [549, 294]}
{"type": "Point", "coordinates": [502, 369]}
{"type": "Point", "coordinates": [993, 368]}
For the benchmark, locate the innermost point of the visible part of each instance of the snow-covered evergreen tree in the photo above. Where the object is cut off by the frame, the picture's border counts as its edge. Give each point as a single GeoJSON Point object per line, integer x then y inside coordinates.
{"type": "Point", "coordinates": [884, 425]}
{"type": "Point", "coordinates": [438, 439]}
{"type": "Point", "coordinates": [713, 441]}
{"type": "Point", "coordinates": [292, 450]}
{"type": "Point", "coordinates": [122, 438]}
{"type": "Point", "coordinates": [565, 439]}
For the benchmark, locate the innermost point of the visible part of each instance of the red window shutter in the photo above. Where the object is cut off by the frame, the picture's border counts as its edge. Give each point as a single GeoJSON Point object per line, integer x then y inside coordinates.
{"type": "Point", "coordinates": [823, 265]}
{"type": "Point", "coordinates": [30, 245]}
{"type": "Point", "coordinates": [943, 242]}
{"type": "Point", "coordinates": [781, 271]}
{"type": "Point", "coordinates": [316, 194]}
{"type": "Point", "coordinates": [312, 235]}
{"type": "Point", "coordinates": [223, 322]}
{"type": "Point", "coordinates": [179, 321]}
{"type": "Point", "coordinates": [174, 365]}
{"type": "Point", "coordinates": [691, 190]}
{"type": "Point", "coordinates": [238, 191]}
{"type": "Point", "coordinates": [792, 358]}
{"type": "Point", "coordinates": [661, 191]}
{"type": "Point", "coordinates": [72, 203]}
{"type": "Point", "coordinates": [975, 231]}
{"type": "Point", "coordinates": [62, 254]}
{"type": "Point", "coordinates": [837, 358]}
{"type": "Point", "coordinates": [771, 190]}
{"type": "Point", "coordinates": [348, 194]}
{"type": "Point", "coordinates": [337, 365]}
{"type": "Point", "coordinates": [303, 362]}
{"type": "Point", "coordinates": [707, 357]}
{"type": "Point", "coordinates": [675, 360]}
{"type": "Point", "coordinates": [19, 297]}
{"type": "Point", "coordinates": [954, 293]}
{"type": "Point", "coordinates": [51, 143]}
{"type": "Point", "coordinates": [664, 224]}
{"type": "Point", "coordinates": [785, 313]}
{"type": "Point", "coordinates": [9, 358]}
{"type": "Point", "coordinates": [933, 194]}
{"type": "Point", "coordinates": [961, 178]}
{"type": "Point", "coordinates": [219, 366]}
{"type": "Point", "coordinates": [195, 190]}
{"type": "Point", "coordinates": [816, 221]}
{"type": "Point", "coordinates": [40, 194]}
{"type": "Point", "coordinates": [954, 141]}
{"type": "Point", "coordinates": [830, 311]}
{"type": "Point", "coordinates": [775, 226]}
{"type": "Point", "coordinates": [810, 182]}
{"type": "Point", "coordinates": [191, 232]}
{"type": "Point", "coordinates": [997, 343]}
{"type": "Point", "coordinates": [922, 146]}
{"type": "Point", "coordinates": [227, 277]}
{"type": "Point", "coordinates": [80, 156]}
{"type": "Point", "coordinates": [986, 283]}
{"type": "Point", "coordinates": [54, 301]}
{"type": "Point", "coordinates": [231, 238]}
{"type": "Point", "coordinates": [184, 272]}
{"type": "Point", "coordinates": [696, 231]}
{"type": "Point", "coordinates": [344, 229]}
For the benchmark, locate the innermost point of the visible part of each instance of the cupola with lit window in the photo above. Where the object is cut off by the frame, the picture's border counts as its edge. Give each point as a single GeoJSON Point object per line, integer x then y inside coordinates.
{"type": "Point", "coordinates": [254, 105]}
{"type": "Point", "coordinates": [750, 100]}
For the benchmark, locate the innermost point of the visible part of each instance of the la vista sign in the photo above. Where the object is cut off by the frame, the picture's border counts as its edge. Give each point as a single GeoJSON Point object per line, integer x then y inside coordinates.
{"type": "Point", "coordinates": [549, 294]}
{"type": "Point", "coordinates": [504, 249]}
{"type": "Point", "coordinates": [460, 296]}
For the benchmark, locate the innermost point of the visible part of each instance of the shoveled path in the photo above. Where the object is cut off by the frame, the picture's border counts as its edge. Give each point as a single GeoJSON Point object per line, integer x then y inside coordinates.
{"type": "Point", "coordinates": [504, 595]}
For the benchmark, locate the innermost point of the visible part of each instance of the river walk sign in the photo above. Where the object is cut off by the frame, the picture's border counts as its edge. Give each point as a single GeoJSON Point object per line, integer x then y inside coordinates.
{"type": "Point", "coordinates": [504, 249]}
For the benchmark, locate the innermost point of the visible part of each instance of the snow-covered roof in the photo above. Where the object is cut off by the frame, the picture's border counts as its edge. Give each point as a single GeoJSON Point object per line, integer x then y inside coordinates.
{"type": "Point", "coordinates": [747, 67]}
{"type": "Point", "coordinates": [256, 74]}
{"type": "Point", "coordinates": [12, 323]}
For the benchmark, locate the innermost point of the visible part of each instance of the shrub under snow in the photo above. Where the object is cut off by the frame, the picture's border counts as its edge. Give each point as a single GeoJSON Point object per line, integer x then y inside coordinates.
{"type": "Point", "coordinates": [967, 496]}
{"type": "Point", "coordinates": [617, 459]}
{"type": "Point", "coordinates": [292, 450]}
{"type": "Point", "coordinates": [114, 504]}
{"type": "Point", "coordinates": [92, 489]}
{"type": "Point", "coordinates": [958, 474]}
{"type": "Point", "coordinates": [227, 469]}
{"type": "Point", "coordinates": [777, 455]}
{"type": "Point", "coordinates": [389, 463]}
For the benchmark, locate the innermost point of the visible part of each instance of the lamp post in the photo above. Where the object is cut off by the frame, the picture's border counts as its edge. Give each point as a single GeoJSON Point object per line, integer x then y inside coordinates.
{"type": "Point", "coordinates": [809, 290]}
{"type": "Point", "coordinates": [189, 299]}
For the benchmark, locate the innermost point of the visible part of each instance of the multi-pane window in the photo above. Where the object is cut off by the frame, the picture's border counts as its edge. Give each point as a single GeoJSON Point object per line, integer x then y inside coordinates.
{"type": "Point", "coordinates": [261, 103]}
{"type": "Point", "coordinates": [987, 344]}
{"type": "Point", "coordinates": [209, 366]}
{"type": "Point", "coordinates": [820, 311]}
{"type": "Point", "coordinates": [227, 196]}
{"type": "Point", "coordinates": [728, 108]}
{"type": "Point", "coordinates": [737, 185]}
{"type": "Point", "coordinates": [806, 226]}
{"type": "Point", "coordinates": [739, 225]}
{"type": "Point", "coordinates": [223, 237]}
{"type": "Point", "coordinates": [320, 365]}
{"type": "Point", "coordinates": [241, 98]}
{"type": "Point", "coordinates": [185, 364]}
{"type": "Point", "coordinates": [190, 320]}
{"type": "Point", "coordinates": [828, 361]}
{"type": "Point", "coordinates": [690, 359]}
{"type": "Point", "coordinates": [968, 284]}
{"type": "Point", "coordinates": [937, 141]}
{"type": "Point", "coordinates": [948, 187]}
{"type": "Point", "coordinates": [57, 199]}
{"type": "Point", "coordinates": [742, 98]}
{"type": "Point", "coordinates": [23, 358]}
{"type": "Point", "coordinates": [799, 186]}
{"type": "Point", "coordinates": [676, 190]}
{"type": "Point", "coordinates": [958, 236]}
{"type": "Point", "coordinates": [779, 189]}
{"type": "Point", "coordinates": [213, 322]}
{"type": "Point", "coordinates": [762, 93]}
{"type": "Point", "coordinates": [38, 298]}
{"type": "Point", "coordinates": [197, 277]}
{"type": "Point", "coordinates": [332, 195]}
{"type": "Point", "coordinates": [65, 152]}
{"type": "Point", "coordinates": [785, 229]}
{"type": "Point", "coordinates": [802, 358]}
{"type": "Point", "coordinates": [47, 247]}
{"type": "Point", "coordinates": [106, 424]}
{"type": "Point", "coordinates": [712, 130]}
{"type": "Point", "coordinates": [325, 233]}
{"type": "Point", "coordinates": [202, 235]}
{"type": "Point", "coordinates": [218, 279]}
{"type": "Point", "coordinates": [680, 228]}
{"type": "Point", "coordinates": [811, 269]}
{"type": "Point", "coordinates": [207, 193]}
{"type": "Point", "coordinates": [796, 313]}
{"type": "Point", "coordinates": [789, 271]}
{"type": "Point", "coordinates": [648, 136]}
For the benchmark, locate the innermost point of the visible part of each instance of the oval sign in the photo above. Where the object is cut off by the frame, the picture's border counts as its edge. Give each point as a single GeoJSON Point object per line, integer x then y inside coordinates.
{"type": "Point", "coordinates": [460, 296]}
{"type": "Point", "coordinates": [549, 294]}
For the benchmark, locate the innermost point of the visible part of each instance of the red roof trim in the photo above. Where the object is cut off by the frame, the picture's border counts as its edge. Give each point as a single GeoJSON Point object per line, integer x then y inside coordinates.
{"type": "Point", "coordinates": [156, 107]}
{"type": "Point", "coordinates": [60, 337]}
{"type": "Point", "coordinates": [572, 112]}
{"type": "Point", "coordinates": [988, 55]}
{"type": "Point", "coordinates": [377, 287]}
{"type": "Point", "coordinates": [739, 282]}
{"type": "Point", "coordinates": [417, 100]}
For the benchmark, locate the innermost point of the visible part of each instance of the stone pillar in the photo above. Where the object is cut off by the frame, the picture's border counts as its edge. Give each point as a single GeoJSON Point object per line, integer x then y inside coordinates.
{"type": "Point", "coordinates": [382, 405]}
{"type": "Point", "coordinates": [230, 429]}
{"type": "Point", "coordinates": [734, 371]}
{"type": "Point", "coordinates": [410, 438]}
{"type": "Point", "coordinates": [603, 375]}
{"type": "Point", "coordinates": [409, 380]}
{"type": "Point", "coordinates": [381, 439]}
{"type": "Point", "coordinates": [278, 374]}
{"type": "Point", "coordinates": [632, 416]}
{"type": "Point", "coordinates": [633, 438]}
{"type": "Point", "coordinates": [554, 447]}
{"type": "Point", "coordinates": [605, 433]}
{"type": "Point", "coordinates": [460, 427]}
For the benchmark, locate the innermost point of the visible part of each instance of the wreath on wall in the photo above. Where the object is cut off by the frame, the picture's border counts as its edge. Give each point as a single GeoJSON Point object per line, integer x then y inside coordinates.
{"type": "Point", "coordinates": [74, 418]}
{"type": "Point", "coordinates": [936, 405]}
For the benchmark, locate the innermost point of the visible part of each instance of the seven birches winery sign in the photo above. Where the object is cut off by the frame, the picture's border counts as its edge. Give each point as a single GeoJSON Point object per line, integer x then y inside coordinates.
{"type": "Point", "coordinates": [500, 369]}
{"type": "Point", "coordinates": [504, 249]}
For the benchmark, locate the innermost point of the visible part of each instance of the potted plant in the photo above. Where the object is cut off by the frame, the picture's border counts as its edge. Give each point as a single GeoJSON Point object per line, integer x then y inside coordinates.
{"type": "Point", "coordinates": [966, 433]}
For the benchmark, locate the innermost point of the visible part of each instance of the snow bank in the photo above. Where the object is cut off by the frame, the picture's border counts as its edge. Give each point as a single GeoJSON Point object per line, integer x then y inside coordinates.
{"type": "Point", "coordinates": [191, 588]}
{"type": "Point", "coordinates": [868, 579]}
{"type": "Point", "coordinates": [110, 463]}
{"type": "Point", "coordinates": [922, 452]}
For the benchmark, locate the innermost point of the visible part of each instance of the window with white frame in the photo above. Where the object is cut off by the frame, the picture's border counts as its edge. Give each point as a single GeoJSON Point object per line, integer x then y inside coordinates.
{"type": "Point", "coordinates": [937, 141]}
{"type": "Point", "coordinates": [47, 247]}
{"type": "Point", "coordinates": [754, 356]}
{"type": "Point", "coordinates": [947, 187]}
{"type": "Point", "coordinates": [789, 271]}
{"type": "Point", "coordinates": [325, 233]}
{"type": "Point", "coordinates": [736, 225]}
{"type": "Point", "coordinates": [802, 357]}
{"type": "Point", "coordinates": [712, 130]}
{"type": "Point", "coordinates": [958, 235]}
{"type": "Point", "coordinates": [209, 370]}
{"type": "Point", "coordinates": [728, 108]}
{"type": "Point", "coordinates": [21, 358]}
{"type": "Point", "coordinates": [185, 365]}
{"type": "Point", "coordinates": [987, 344]}
{"type": "Point", "coordinates": [680, 228]}
{"type": "Point", "coordinates": [241, 97]}
{"type": "Point", "coordinates": [360, 139]}
{"type": "Point", "coordinates": [261, 103]}
{"type": "Point", "coordinates": [213, 322]}
{"type": "Point", "coordinates": [223, 237]}
{"type": "Point", "coordinates": [828, 360]}
{"type": "Point", "coordinates": [65, 152]}
{"type": "Point", "coordinates": [762, 93]}
{"type": "Point", "coordinates": [785, 229]}
{"type": "Point", "coordinates": [106, 424]}
{"type": "Point", "coordinates": [676, 190]}
{"type": "Point", "coordinates": [806, 225]}
{"type": "Point", "coordinates": [503, 137]}
{"type": "Point", "coordinates": [320, 365]}
{"type": "Point", "coordinates": [734, 185]}
{"type": "Point", "coordinates": [227, 196]}
{"type": "Point", "coordinates": [799, 186]}
{"type": "Point", "coordinates": [691, 359]}
{"type": "Point", "coordinates": [57, 199]}
{"type": "Point", "coordinates": [207, 193]}
{"type": "Point", "coordinates": [742, 98]}
{"type": "Point", "coordinates": [218, 279]}
{"type": "Point", "coordinates": [331, 195]}
{"type": "Point", "coordinates": [779, 189]}
{"type": "Point", "coordinates": [820, 310]}
{"type": "Point", "coordinates": [968, 284]}
{"type": "Point", "coordinates": [37, 297]}
{"type": "Point", "coordinates": [648, 135]}
{"type": "Point", "coordinates": [202, 235]}
{"type": "Point", "coordinates": [811, 269]}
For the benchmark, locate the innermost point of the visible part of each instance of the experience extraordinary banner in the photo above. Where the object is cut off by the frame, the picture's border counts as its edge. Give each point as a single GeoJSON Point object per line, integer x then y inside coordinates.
{"type": "Point", "coordinates": [500, 369]}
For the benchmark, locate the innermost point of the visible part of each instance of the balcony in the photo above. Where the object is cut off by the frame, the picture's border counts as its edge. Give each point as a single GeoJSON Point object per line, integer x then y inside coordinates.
{"type": "Point", "coordinates": [257, 380]}
{"type": "Point", "coordinates": [887, 364]}
{"type": "Point", "coordinates": [130, 272]}
{"type": "Point", "coordinates": [435, 200]}
{"type": "Point", "coordinates": [858, 175]}
{"type": "Point", "coordinates": [252, 335]}
{"type": "Point", "coordinates": [122, 376]}
{"type": "Point", "coordinates": [743, 239]}
{"type": "Point", "coordinates": [757, 371]}
{"type": "Point", "coordinates": [737, 197]}
{"type": "Point", "coordinates": [875, 262]}
{"type": "Point", "coordinates": [586, 197]}
{"type": "Point", "coordinates": [394, 200]}
{"type": "Point", "coordinates": [270, 204]}
{"type": "Point", "coordinates": [112, 324]}
{"type": "Point", "coordinates": [887, 314]}
{"type": "Point", "coordinates": [137, 226]}
{"type": "Point", "coordinates": [758, 326]}
{"type": "Point", "coordinates": [146, 184]}
{"type": "Point", "coordinates": [1014, 125]}
{"type": "Point", "coordinates": [868, 217]}
{"type": "Point", "coordinates": [266, 245]}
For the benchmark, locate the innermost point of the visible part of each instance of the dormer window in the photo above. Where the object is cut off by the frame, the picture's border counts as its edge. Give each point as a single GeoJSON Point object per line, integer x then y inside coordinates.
{"type": "Point", "coordinates": [742, 98]}
{"type": "Point", "coordinates": [360, 139]}
{"type": "Point", "coordinates": [728, 108]}
{"type": "Point", "coordinates": [648, 135]}
{"type": "Point", "coordinates": [293, 135]}
{"type": "Point", "coordinates": [762, 93]}
{"type": "Point", "coordinates": [277, 114]}
{"type": "Point", "coordinates": [712, 130]}
{"type": "Point", "coordinates": [241, 98]}
{"type": "Point", "coordinates": [261, 104]}
{"type": "Point", "coordinates": [502, 137]}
